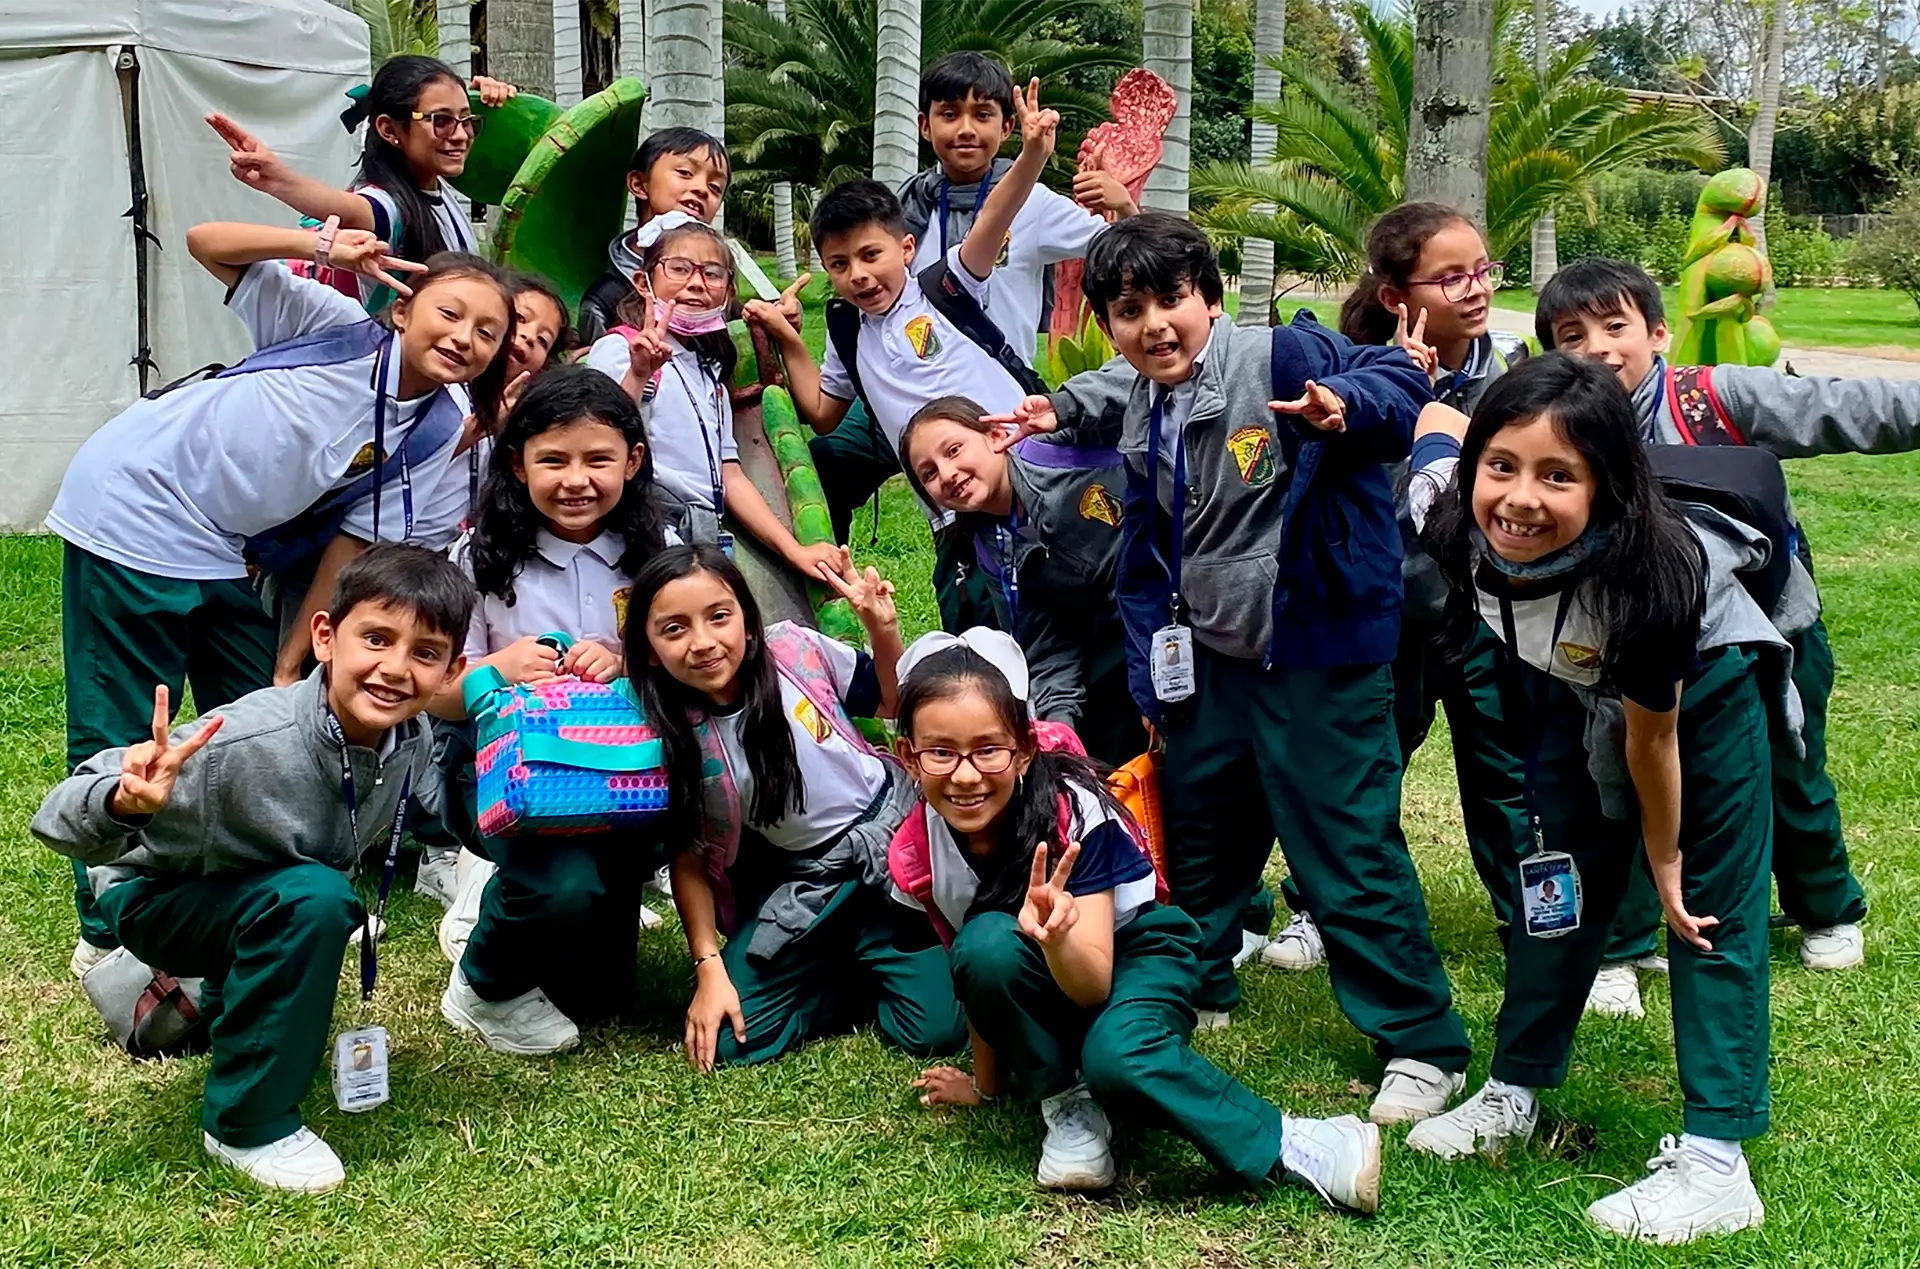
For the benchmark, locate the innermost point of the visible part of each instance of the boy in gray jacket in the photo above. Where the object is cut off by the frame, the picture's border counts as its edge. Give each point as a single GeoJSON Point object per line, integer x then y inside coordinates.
{"type": "Point", "coordinates": [224, 850]}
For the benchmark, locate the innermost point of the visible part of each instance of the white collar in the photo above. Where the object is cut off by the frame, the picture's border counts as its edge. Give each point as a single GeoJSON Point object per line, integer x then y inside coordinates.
{"type": "Point", "coordinates": [559, 552]}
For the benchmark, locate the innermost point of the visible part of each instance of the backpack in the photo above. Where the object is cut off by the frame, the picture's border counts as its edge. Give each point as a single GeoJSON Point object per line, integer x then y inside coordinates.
{"type": "Point", "coordinates": [1746, 484]}
{"type": "Point", "coordinates": [1697, 412]}
{"type": "Point", "coordinates": [952, 301]}
{"type": "Point", "coordinates": [150, 1012]}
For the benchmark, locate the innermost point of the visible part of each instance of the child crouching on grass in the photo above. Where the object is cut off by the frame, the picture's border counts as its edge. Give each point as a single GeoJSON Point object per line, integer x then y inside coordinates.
{"type": "Point", "coordinates": [1079, 985]}
{"type": "Point", "coordinates": [224, 849]}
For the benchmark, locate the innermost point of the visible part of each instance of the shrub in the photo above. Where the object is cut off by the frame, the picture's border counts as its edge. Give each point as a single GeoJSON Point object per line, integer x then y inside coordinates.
{"type": "Point", "coordinates": [1667, 245]}
{"type": "Point", "coordinates": [1803, 254]}
{"type": "Point", "coordinates": [1890, 251]}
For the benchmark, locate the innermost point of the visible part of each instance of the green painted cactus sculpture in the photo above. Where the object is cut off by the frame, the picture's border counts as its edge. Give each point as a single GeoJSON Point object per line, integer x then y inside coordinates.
{"type": "Point", "coordinates": [1723, 276]}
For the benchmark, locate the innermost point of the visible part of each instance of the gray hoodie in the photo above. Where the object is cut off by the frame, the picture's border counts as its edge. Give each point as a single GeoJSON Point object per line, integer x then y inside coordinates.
{"type": "Point", "coordinates": [264, 794]}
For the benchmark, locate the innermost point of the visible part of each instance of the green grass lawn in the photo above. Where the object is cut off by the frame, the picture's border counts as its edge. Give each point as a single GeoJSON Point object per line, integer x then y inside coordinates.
{"type": "Point", "coordinates": [1810, 317]}
{"type": "Point", "coordinates": [619, 1155]}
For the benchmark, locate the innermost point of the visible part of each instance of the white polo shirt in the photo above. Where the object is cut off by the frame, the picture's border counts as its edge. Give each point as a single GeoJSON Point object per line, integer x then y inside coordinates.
{"type": "Point", "coordinates": [442, 485]}
{"type": "Point", "coordinates": [1049, 228]}
{"type": "Point", "coordinates": [174, 486]}
{"type": "Point", "coordinates": [573, 587]}
{"type": "Point", "coordinates": [689, 421]}
{"type": "Point", "coordinates": [841, 781]}
{"type": "Point", "coordinates": [910, 355]}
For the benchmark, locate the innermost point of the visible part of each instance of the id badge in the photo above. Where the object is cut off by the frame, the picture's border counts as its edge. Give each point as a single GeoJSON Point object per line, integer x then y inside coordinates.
{"type": "Point", "coordinates": [1170, 662]}
{"type": "Point", "coordinates": [725, 541]}
{"type": "Point", "coordinates": [360, 1069]}
{"type": "Point", "coordinates": [1550, 894]}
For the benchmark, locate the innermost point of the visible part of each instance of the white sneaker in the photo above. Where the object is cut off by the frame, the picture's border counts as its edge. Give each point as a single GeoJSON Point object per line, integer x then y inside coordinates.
{"type": "Point", "coordinates": [1338, 1158]}
{"type": "Point", "coordinates": [1212, 1020]}
{"type": "Point", "coordinates": [1652, 962]}
{"type": "Point", "coordinates": [649, 919]}
{"type": "Point", "coordinates": [528, 1024]}
{"type": "Point", "coordinates": [1836, 947]}
{"type": "Point", "coordinates": [471, 875]}
{"type": "Point", "coordinates": [1489, 1122]}
{"type": "Point", "coordinates": [1298, 947]}
{"type": "Point", "coordinates": [1078, 1151]}
{"type": "Point", "coordinates": [1413, 1090]}
{"type": "Point", "coordinates": [1616, 992]}
{"type": "Point", "coordinates": [1683, 1198]}
{"type": "Point", "coordinates": [85, 957]}
{"type": "Point", "coordinates": [300, 1162]}
{"type": "Point", "coordinates": [438, 877]}
{"type": "Point", "coordinates": [1251, 945]}
{"type": "Point", "coordinates": [662, 881]}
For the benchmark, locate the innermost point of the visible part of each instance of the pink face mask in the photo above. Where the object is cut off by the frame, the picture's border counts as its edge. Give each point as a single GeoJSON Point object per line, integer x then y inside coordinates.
{"type": "Point", "coordinates": [697, 321]}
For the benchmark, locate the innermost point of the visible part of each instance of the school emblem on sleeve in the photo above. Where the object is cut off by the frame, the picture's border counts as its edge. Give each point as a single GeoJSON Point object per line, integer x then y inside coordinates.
{"type": "Point", "coordinates": [620, 598]}
{"type": "Point", "coordinates": [362, 461]}
{"type": "Point", "coordinates": [808, 716]}
{"type": "Point", "coordinates": [1579, 655]}
{"type": "Point", "coordinates": [920, 334]}
{"type": "Point", "coordinates": [1098, 504]}
{"type": "Point", "coordinates": [1006, 248]}
{"type": "Point", "coordinates": [1252, 451]}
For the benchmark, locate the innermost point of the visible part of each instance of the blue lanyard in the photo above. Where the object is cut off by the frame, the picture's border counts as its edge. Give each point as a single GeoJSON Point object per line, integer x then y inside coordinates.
{"type": "Point", "coordinates": [1006, 540]}
{"type": "Point", "coordinates": [986, 187]}
{"type": "Point", "coordinates": [380, 449]}
{"type": "Point", "coordinates": [1536, 711]}
{"type": "Point", "coordinates": [1179, 497]}
{"type": "Point", "coordinates": [369, 965]}
{"type": "Point", "coordinates": [709, 445]}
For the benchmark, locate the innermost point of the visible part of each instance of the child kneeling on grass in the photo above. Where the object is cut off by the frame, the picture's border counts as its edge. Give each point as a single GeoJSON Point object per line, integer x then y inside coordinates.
{"type": "Point", "coordinates": [233, 864]}
{"type": "Point", "coordinates": [1079, 985]}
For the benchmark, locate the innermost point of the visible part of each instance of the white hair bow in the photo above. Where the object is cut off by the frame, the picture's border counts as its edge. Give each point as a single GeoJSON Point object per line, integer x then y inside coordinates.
{"type": "Point", "coordinates": [995, 647]}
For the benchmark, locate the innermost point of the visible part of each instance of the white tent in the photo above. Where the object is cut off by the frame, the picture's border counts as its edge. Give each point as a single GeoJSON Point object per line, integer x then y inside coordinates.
{"type": "Point", "coordinates": [100, 99]}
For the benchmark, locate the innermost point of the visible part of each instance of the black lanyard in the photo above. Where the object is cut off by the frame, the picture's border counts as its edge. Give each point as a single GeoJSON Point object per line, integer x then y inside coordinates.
{"type": "Point", "coordinates": [369, 966]}
{"type": "Point", "coordinates": [1535, 710]}
{"type": "Point", "coordinates": [986, 186]}
{"type": "Point", "coordinates": [1179, 496]}
{"type": "Point", "coordinates": [708, 445]}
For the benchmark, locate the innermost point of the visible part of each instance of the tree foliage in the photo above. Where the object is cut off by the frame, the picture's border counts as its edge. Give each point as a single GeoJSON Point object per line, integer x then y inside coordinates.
{"type": "Point", "coordinates": [1339, 162]}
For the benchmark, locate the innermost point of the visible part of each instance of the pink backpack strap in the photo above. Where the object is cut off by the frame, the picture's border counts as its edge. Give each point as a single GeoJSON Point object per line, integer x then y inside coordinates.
{"type": "Point", "coordinates": [799, 656]}
{"type": "Point", "coordinates": [910, 864]}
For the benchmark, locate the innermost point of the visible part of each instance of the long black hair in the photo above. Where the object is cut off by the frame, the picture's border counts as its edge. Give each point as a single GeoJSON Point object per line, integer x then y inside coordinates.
{"type": "Point", "coordinates": [715, 350]}
{"type": "Point", "coordinates": [1647, 575]}
{"type": "Point", "coordinates": [1394, 245]}
{"type": "Point", "coordinates": [534, 284]}
{"type": "Point", "coordinates": [669, 703]}
{"type": "Point", "coordinates": [1032, 819]}
{"type": "Point", "coordinates": [505, 522]}
{"type": "Point", "coordinates": [395, 93]}
{"type": "Point", "coordinates": [487, 387]}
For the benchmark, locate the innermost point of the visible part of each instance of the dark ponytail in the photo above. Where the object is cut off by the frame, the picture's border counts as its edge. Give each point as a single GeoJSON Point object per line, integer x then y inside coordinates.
{"type": "Point", "coordinates": [395, 93]}
{"type": "Point", "coordinates": [1393, 251]}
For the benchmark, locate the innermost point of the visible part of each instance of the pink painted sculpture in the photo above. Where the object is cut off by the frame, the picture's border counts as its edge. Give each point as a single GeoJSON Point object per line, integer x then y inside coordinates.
{"type": "Point", "coordinates": [1128, 147]}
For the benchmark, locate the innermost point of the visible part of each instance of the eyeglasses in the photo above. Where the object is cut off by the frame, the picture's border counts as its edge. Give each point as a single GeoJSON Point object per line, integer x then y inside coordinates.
{"type": "Point", "coordinates": [1457, 286]}
{"type": "Point", "coordinates": [679, 269]}
{"type": "Point", "coordinates": [445, 124]}
{"type": "Point", "coordinates": [987, 760]}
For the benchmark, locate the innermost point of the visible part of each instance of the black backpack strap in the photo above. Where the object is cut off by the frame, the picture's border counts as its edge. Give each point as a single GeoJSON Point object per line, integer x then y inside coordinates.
{"type": "Point", "coordinates": [843, 332]}
{"type": "Point", "coordinates": [955, 303]}
{"type": "Point", "coordinates": [207, 371]}
{"type": "Point", "coordinates": [1744, 483]}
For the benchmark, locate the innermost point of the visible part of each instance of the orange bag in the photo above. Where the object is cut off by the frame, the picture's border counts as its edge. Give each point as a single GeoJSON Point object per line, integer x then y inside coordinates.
{"type": "Point", "coordinates": [1136, 786]}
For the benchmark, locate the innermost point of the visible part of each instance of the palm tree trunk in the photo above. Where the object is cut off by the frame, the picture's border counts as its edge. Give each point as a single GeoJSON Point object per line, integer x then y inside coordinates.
{"type": "Point", "coordinates": [566, 52]}
{"type": "Point", "coordinates": [717, 116]}
{"type": "Point", "coordinates": [783, 196]}
{"type": "Point", "coordinates": [520, 43]}
{"type": "Point", "coordinates": [1256, 254]}
{"type": "Point", "coordinates": [1167, 48]}
{"type": "Point", "coordinates": [633, 59]}
{"type": "Point", "coordinates": [679, 64]}
{"type": "Point", "coordinates": [1546, 239]}
{"type": "Point", "coordinates": [455, 20]}
{"type": "Point", "coordinates": [1452, 82]}
{"type": "Point", "coordinates": [1760, 136]}
{"type": "Point", "coordinates": [896, 134]}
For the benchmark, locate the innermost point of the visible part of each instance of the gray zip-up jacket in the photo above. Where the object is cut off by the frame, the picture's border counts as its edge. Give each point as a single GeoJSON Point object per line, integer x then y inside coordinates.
{"type": "Point", "coordinates": [264, 794]}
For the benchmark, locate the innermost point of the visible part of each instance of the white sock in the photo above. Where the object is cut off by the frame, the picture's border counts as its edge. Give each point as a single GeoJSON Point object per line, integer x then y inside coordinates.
{"type": "Point", "coordinates": [1515, 1092]}
{"type": "Point", "coordinates": [1718, 1152]}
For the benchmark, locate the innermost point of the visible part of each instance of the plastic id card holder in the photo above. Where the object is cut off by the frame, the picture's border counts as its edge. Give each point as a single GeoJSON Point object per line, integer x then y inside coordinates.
{"type": "Point", "coordinates": [725, 542]}
{"type": "Point", "coordinates": [1550, 894]}
{"type": "Point", "coordinates": [360, 1069]}
{"type": "Point", "coordinates": [1170, 662]}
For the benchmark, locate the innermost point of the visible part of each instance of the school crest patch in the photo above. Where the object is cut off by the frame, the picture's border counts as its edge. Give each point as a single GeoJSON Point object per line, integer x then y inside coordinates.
{"type": "Point", "coordinates": [362, 461]}
{"type": "Point", "coordinates": [1099, 504]}
{"type": "Point", "coordinates": [620, 598]}
{"type": "Point", "coordinates": [808, 716]}
{"type": "Point", "coordinates": [920, 335]}
{"type": "Point", "coordinates": [1580, 656]}
{"type": "Point", "coordinates": [1006, 247]}
{"type": "Point", "coordinates": [1252, 452]}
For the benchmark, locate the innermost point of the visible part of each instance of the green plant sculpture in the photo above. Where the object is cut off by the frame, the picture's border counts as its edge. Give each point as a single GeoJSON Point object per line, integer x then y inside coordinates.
{"type": "Point", "coordinates": [1723, 276]}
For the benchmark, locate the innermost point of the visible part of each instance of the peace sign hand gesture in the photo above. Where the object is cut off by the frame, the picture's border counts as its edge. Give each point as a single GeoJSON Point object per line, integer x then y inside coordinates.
{"type": "Point", "coordinates": [1034, 415]}
{"type": "Point", "coordinates": [788, 305]}
{"type": "Point", "coordinates": [870, 594]}
{"type": "Point", "coordinates": [149, 769]}
{"type": "Point", "coordinates": [1050, 911]}
{"type": "Point", "coordinates": [1038, 128]}
{"type": "Point", "coordinates": [1321, 407]}
{"type": "Point", "coordinates": [648, 346]}
{"type": "Point", "coordinates": [1424, 355]}
{"type": "Point", "coordinates": [361, 251]}
{"type": "Point", "coordinates": [252, 163]}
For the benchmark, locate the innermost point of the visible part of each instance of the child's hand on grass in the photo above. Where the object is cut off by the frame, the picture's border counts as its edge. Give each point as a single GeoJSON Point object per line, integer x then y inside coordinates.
{"type": "Point", "coordinates": [715, 1001]}
{"type": "Point", "coordinates": [1321, 407]}
{"type": "Point", "coordinates": [149, 769]}
{"type": "Point", "coordinates": [947, 1086]}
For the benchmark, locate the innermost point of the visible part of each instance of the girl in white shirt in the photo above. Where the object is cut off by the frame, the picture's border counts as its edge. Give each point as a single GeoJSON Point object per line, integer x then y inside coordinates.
{"type": "Point", "coordinates": [674, 354]}
{"type": "Point", "coordinates": [566, 514]}
{"type": "Point", "coordinates": [780, 812]}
